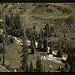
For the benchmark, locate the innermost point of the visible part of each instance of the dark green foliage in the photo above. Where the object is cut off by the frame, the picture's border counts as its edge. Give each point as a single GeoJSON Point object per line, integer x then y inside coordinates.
{"type": "Point", "coordinates": [63, 70]}
{"type": "Point", "coordinates": [69, 57]}
{"type": "Point", "coordinates": [34, 28]}
{"type": "Point", "coordinates": [38, 65]}
{"type": "Point", "coordinates": [41, 33]}
{"type": "Point", "coordinates": [46, 33]}
{"type": "Point", "coordinates": [27, 69]}
{"type": "Point", "coordinates": [13, 25]}
{"type": "Point", "coordinates": [66, 10]}
{"type": "Point", "coordinates": [66, 65]}
{"type": "Point", "coordinates": [52, 29]}
{"type": "Point", "coordinates": [59, 7]}
{"type": "Point", "coordinates": [31, 67]}
{"type": "Point", "coordinates": [72, 65]}
{"type": "Point", "coordinates": [28, 32]}
{"type": "Point", "coordinates": [50, 47]}
{"type": "Point", "coordinates": [59, 53]}
{"type": "Point", "coordinates": [1, 38]}
{"type": "Point", "coordinates": [32, 45]}
{"type": "Point", "coordinates": [70, 19]}
{"type": "Point", "coordinates": [24, 55]}
{"type": "Point", "coordinates": [62, 44]}
{"type": "Point", "coordinates": [1, 49]}
{"type": "Point", "coordinates": [39, 43]}
{"type": "Point", "coordinates": [49, 10]}
{"type": "Point", "coordinates": [45, 44]}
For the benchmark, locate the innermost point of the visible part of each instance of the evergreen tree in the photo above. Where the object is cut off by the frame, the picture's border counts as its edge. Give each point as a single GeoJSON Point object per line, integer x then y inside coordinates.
{"type": "Point", "coordinates": [34, 41]}
{"type": "Point", "coordinates": [40, 42]}
{"type": "Point", "coordinates": [31, 67]}
{"type": "Point", "coordinates": [45, 44]}
{"type": "Point", "coordinates": [32, 46]}
{"type": "Point", "coordinates": [69, 59]}
{"type": "Point", "coordinates": [24, 54]}
{"type": "Point", "coordinates": [38, 65]}
{"type": "Point", "coordinates": [41, 33]}
{"type": "Point", "coordinates": [72, 69]}
{"type": "Point", "coordinates": [34, 28]}
{"type": "Point", "coordinates": [27, 69]}
{"type": "Point", "coordinates": [66, 65]}
{"type": "Point", "coordinates": [47, 29]}
{"type": "Point", "coordinates": [62, 45]}
{"type": "Point", "coordinates": [50, 47]}
{"type": "Point", "coordinates": [52, 29]}
{"type": "Point", "coordinates": [59, 53]}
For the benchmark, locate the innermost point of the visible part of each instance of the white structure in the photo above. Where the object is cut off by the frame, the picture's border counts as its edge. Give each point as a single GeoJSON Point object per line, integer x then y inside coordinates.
{"type": "Point", "coordinates": [51, 58]}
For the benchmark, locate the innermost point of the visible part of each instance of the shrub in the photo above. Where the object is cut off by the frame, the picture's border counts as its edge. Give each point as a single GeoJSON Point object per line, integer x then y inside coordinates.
{"type": "Point", "coordinates": [54, 5]}
{"type": "Point", "coordinates": [70, 19]}
{"type": "Point", "coordinates": [66, 10]}
{"type": "Point", "coordinates": [59, 7]}
{"type": "Point", "coordinates": [49, 10]}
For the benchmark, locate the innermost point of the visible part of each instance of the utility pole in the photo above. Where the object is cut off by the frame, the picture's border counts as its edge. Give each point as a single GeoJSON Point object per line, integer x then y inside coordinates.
{"type": "Point", "coordinates": [4, 34]}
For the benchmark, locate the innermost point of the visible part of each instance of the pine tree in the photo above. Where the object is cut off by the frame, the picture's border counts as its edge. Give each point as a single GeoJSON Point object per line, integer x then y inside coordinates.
{"type": "Point", "coordinates": [62, 45]}
{"type": "Point", "coordinates": [34, 27]}
{"type": "Point", "coordinates": [40, 42]}
{"type": "Point", "coordinates": [45, 44]}
{"type": "Point", "coordinates": [59, 53]}
{"type": "Point", "coordinates": [69, 57]}
{"type": "Point", "coordinates": [72, 67]}
{"type": "Point", "coordinates": [41, 33]}
{"type": "Point", "coordinates": [24, 54]}
{"type": "Point", "coordinates": [31, 67]}
{"type": "Point", "coordinates": [32, 46]}
{"type": "Point", "coordinates": [66, 65]}
{"type": "Point", "coordinates": [27, 69]}
{"type": "Point", "coordinates": [50, 47]}
{"type": "Point", "coordinates": [47, 30]}
{"type": "Point", "coordinates": [38, 65]}
{"type": "Point", "coordinates": [52, 29]}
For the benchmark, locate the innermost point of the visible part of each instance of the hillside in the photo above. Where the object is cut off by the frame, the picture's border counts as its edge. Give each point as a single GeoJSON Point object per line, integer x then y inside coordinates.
{"type": "Point", "coordinates": [41, 13]}
{"type": "Point", "coordinates": [54, 21]}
